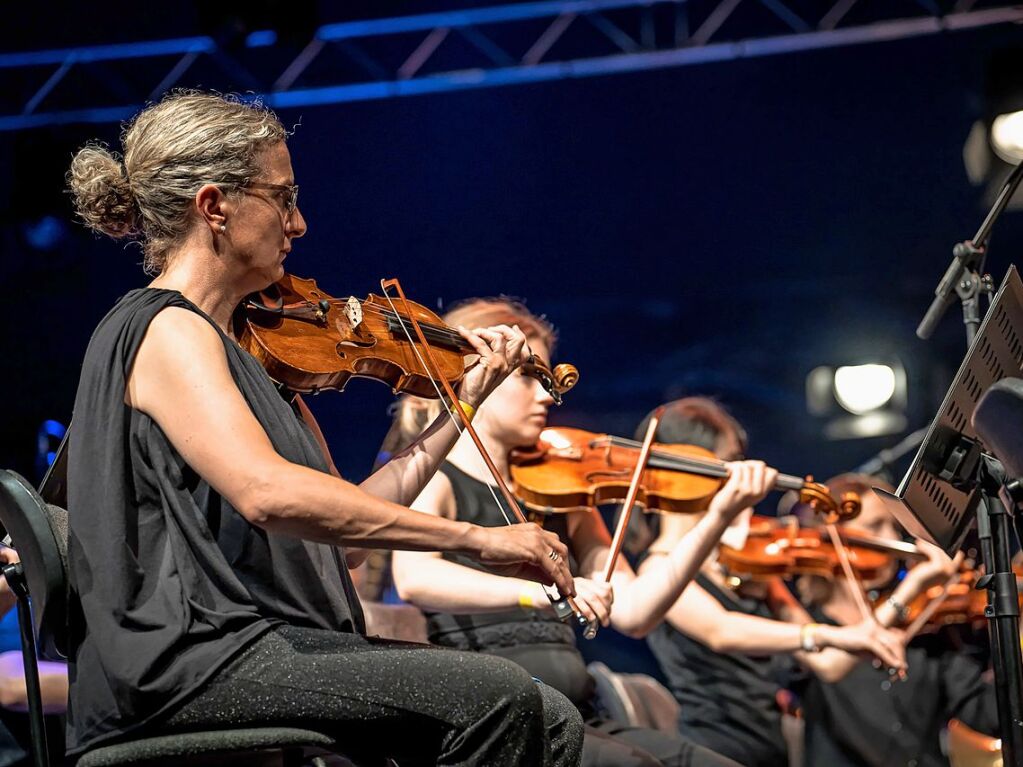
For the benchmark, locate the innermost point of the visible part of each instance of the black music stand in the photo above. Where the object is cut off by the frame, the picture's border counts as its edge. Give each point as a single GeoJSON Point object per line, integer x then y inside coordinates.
{"type": "Point", "coordinates": [955, 477]}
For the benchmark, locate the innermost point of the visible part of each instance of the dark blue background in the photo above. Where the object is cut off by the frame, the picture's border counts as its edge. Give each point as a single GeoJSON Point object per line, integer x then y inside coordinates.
{"type": "Point", "coordinates": [717, 229]}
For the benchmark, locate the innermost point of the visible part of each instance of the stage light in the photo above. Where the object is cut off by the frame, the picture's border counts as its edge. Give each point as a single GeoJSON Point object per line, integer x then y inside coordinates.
{"type": "Point", "coordinates": [1007, 136]}
{"type": "Point", "coordinates": [859, 400]}
{"type": "Point", "coordinates": [995, 141]}
{"type": "Point", "coordinates": [862, 388]}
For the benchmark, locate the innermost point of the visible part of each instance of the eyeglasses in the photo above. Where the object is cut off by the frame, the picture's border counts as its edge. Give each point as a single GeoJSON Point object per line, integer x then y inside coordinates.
{"type": "Point", "coordinates": [290, 202]}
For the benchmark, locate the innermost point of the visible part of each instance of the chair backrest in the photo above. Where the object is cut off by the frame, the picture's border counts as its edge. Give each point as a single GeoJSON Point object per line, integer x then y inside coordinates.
{"type": "Point", "coordinates": [404, 622]}
{"type": "Point", "coordinates": [39, 533]}
{"type": "Point", "coordinates": [612, 695]}
{"type": "Point", "coordinates": [657, 706]}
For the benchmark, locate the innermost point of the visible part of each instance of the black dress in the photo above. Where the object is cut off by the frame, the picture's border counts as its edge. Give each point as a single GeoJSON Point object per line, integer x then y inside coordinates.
{"type": "Point", "coordinates": [547, 649]}
{"type": "Point", "coordinates": [192, 618]}
{"type": "Point", "coordinates": [728, 700]}
{"type": "Point", "coordinates": [172, 581]}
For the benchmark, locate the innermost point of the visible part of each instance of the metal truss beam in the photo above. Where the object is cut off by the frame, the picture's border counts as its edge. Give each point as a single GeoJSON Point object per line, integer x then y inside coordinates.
{"type": "Point", "coordinates": [508, 44]}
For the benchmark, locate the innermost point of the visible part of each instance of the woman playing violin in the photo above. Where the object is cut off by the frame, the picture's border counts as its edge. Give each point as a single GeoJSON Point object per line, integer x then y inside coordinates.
{"type": "Point", "coordinates": [211, 535]}
{"type": "Point", "coordinates": [472, 609]}
{"type": "Point", "coordinates": [864, 718]}
{"type": "Point", "coordinates": [721, 651]}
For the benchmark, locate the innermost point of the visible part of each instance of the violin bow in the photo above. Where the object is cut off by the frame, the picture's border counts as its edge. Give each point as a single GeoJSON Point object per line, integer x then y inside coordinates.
{"type": "Point", "coordinates": [859, 596]}
{"type": "Point", "coordinates": [858, 592]}
{"type": "Point", "coordinates": [563, 606]}
{"type": "Point", "coordinates": [626, 513]}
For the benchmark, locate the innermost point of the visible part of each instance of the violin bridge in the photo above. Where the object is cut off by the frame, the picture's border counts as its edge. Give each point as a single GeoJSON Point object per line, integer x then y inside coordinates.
{"type": "Point", "coordinates": [353, 311]}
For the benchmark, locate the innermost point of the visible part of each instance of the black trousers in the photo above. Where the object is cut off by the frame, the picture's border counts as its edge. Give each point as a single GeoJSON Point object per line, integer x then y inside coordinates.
{"type": "Point", "coordinates": [611, 744]}
{"type": "Point", "coordinates": [607, 743]}
{"type": "Point", "coordinates": [416, 704]}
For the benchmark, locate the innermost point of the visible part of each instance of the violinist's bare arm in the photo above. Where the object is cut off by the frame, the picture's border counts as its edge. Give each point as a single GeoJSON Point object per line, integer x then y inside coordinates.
{"type": "Point", "coordinates": [697, 614]}
{"type": "Point", "coordinates": [196, 403]}
{"type": "Point", "coordinates": [402, 479]}
{"type": "Point", "coordinates": [642, 601]}
{"type": "Point", "coordinates": [431, 582]}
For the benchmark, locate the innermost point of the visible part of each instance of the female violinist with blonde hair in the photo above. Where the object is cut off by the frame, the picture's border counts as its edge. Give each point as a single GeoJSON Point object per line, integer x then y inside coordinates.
{"type": "Point", "coordinates": [468, 608]}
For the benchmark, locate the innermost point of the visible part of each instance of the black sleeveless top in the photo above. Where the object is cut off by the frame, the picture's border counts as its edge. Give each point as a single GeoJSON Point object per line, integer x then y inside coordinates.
{"type": "Point", "coordinates": [172, 581]}
{"type": "Point", "coordinates": [536, 640]}
{"type": "Point", "coordinates": [727, 699]}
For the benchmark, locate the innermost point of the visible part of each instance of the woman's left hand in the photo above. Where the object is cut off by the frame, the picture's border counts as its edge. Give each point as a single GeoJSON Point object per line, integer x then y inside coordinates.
{"type": "Point", "coordinates": [501, 349]}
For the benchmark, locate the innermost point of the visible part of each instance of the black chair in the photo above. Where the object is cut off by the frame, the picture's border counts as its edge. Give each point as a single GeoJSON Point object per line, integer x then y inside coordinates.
{"type": "Point", "coordinates": [39, 532]}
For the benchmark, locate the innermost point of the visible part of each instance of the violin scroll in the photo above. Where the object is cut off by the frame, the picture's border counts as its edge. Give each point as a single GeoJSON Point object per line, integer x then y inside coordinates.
{"type": "Point", "coordinates": [821, 502]}
{"type": "Point", "coordinates": [565, 376]}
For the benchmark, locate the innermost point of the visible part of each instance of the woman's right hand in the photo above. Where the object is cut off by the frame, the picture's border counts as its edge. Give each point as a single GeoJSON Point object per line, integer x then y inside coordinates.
{"type": "Point", "coordinates": [866, 637]}
{"type": "Point", "coordinates": [526, 551]}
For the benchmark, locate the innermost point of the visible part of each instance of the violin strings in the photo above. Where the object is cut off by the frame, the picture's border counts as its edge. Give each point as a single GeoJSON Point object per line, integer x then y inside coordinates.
{"type": "Point", "coordinates": [441, 330]}
{"type": "Point", "coordinates": [440, 396]}
{"type": "Point", "coordinates": [682, 462]}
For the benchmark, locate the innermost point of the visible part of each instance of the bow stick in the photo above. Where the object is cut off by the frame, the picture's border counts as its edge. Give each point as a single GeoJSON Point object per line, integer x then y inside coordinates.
{"type": "Point", "coordinates": [858, 592]}
{"type": "Point", "coordinates": [564, 607]}
{"type": "Point", "coordinates": [626, 513]}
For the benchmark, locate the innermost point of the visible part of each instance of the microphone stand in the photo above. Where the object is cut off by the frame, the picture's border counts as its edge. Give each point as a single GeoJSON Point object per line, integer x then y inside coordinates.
{"type": "Point", "coordinates": [963, 276]}
{"type": "Point", "coordinates": [995, 505]}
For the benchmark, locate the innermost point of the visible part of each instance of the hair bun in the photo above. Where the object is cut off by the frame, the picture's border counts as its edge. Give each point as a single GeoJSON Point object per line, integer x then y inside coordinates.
{"type": "Point", "coordinates": [103, 198]}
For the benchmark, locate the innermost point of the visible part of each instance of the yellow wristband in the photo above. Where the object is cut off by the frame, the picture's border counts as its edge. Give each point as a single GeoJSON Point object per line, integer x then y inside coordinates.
{"type": "Point", "coordinates": [526, 598]}
{"type": "Point", "coordinates": [468, 409]}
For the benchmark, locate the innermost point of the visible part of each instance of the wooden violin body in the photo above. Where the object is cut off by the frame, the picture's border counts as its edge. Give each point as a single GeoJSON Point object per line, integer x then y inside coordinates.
{"type": "Point", "coordinates": [573, 469]}
{"type": "Point", "coordinates": [576, 470]}
{"type": "Point", "coordinates": [964, 603]}
{"type": "Point", "coordinates": [774, 550]}
{"type": "Point", "coordinates": [310, 341]}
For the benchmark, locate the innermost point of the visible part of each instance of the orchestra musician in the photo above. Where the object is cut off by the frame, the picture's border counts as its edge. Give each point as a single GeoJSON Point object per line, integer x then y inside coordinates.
{"type": "Point", "coordinates": [210, 535]}
{"type": "Point", "coordinates": [864, 719]}
{"type": "Point", "coordinates": [725, 653]}
{"type": "Point", "coordinates": [468, 608]}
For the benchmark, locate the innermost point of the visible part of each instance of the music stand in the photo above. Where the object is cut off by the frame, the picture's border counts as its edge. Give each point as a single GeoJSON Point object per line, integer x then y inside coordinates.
{"type": "Point", "coordinates": [954, 478]}
{"type": "Point", "coordinates": [937, 497]}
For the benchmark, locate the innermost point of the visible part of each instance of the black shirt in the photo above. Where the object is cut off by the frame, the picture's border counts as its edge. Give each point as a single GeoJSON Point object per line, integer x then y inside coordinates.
{"type": "Point", "coordinates": [535, 640]}
{"type": "Point", "coordinates": [172, 581]}
{"type": "Point", "coordinates": [728, 700]}
{"type": "Point", "coordinates": [870, 720]}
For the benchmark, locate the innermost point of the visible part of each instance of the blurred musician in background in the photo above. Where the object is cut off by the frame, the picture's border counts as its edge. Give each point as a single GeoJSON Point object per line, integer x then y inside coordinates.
{"type": "Point", "coordinates": [725, 653]}
{"type": "Point", "coordinates": [468, 608]}
{"type": "Point", "coordinates": [865, 718]}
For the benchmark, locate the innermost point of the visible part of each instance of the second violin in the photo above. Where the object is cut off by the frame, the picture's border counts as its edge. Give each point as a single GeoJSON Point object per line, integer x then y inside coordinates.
{"type": "Point", "coordinates": [572, 469]}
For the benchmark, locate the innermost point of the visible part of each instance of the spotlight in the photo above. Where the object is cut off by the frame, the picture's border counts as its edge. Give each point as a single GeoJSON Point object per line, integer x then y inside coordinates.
{"type": "Point", "coordinates": [862, 388]}
{"type": "Point", "coordinates": [1007, 136]}
{"type": "Point", "coordinates": [995, 142]}
{"type": "Point", "coordinates": [858, 401]}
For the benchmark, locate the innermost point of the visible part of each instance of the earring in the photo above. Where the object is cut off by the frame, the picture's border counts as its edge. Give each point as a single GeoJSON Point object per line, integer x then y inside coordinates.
{"type": "Point", "coordinates": [223, 228]}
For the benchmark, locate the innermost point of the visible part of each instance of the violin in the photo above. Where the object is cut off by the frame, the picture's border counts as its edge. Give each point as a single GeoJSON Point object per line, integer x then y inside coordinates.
{"type": "Point", "coordinates": [775, 549]}
{"type": "Point", "coordinates": [961, 603]}
{"type": "Point", "coordinates": [309, 340]}
{"type": "Point", "coordinates": [572, 470]}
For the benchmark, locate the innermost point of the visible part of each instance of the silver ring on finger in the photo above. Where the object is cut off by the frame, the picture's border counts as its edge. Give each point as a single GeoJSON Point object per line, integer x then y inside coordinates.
{"type": "Point", "coordinates": [554, 556]}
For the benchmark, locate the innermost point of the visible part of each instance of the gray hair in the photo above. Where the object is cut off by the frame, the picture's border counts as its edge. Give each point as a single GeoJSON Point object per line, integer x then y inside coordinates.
{"type": "Point", "coordinates": [171, 149]}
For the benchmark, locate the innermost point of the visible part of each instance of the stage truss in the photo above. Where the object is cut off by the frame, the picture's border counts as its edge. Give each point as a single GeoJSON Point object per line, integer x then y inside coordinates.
{"type": "Point", "coordinates": [457, 50]}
